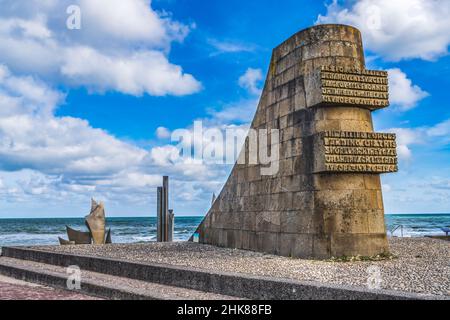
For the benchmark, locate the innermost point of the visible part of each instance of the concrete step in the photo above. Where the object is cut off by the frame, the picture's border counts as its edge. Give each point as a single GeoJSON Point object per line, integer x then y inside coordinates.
{"type": "Point", "coordinates": [221, 283]}
{"type": "Point", "coordinates": [100, 285]}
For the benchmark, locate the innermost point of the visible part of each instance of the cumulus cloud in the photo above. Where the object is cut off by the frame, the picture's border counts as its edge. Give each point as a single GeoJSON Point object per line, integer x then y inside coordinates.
{"type": "Point", "coordinates": [221, 47]}
{"type": "Point", "coordinates": [163, 133]}
{"type": "Point", "coordinates": [142, 72]}
{"type": "Point", "coordinates": [32, 137]}
{"type": "Point", "coordinates": [429, 187]}
{"type": "Point", "coordinates": [402, 92]}
{"type": "Point", "coordinates": [436, 135]}
{"type": "Point", "coordinates": [439, 183]}
{"type": "Point", "coordinates": [440, 130]}
{"type": "Point", "coordinates": [405, 138]}
{"type": "Point", "coordinates": [25, 95]}
{"type": "Point", "coordinates": [396, 30]}
{"type": "Point", "coordinates": [250, 80]}
{"type": "Point", "coordinates": [108, 53]}
{"type": "Point", "coordinates": [46, 157]}
{"type": "Point", "coordinates": [165, 155]}
{"type": "Point", "coordinates": [131, 21]}
{"type": "Point", "coordinates": [237, 112]}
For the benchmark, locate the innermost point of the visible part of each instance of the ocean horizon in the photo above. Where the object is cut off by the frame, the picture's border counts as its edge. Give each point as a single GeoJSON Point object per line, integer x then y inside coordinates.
{"type": "Point", "coordinates": [45, 231]}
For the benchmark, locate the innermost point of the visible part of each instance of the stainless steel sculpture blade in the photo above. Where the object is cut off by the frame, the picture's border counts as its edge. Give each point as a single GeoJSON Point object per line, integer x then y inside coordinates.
{"type": "Point", "coordinates": [65, 242]}
{"type": "Point", "coordinates": [108, 237]}
{"type": "Point", "coordinates": [78, 237]}
{"type": "Point", "coordinates": [95, 222]}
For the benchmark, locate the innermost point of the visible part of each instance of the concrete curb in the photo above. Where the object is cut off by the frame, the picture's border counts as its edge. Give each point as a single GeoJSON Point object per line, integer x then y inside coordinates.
{"type": "Point", "coordinates": [57, 281]}
{"type": "Point", "coordinates": [230, 284]}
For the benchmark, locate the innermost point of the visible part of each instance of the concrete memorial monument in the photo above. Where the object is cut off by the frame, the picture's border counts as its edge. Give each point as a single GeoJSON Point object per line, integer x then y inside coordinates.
{"type": "Point", "coordinates": [325, 200]}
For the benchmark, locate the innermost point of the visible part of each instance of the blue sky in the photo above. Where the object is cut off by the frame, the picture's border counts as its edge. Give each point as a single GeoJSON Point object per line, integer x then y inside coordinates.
{"type": "Point", "coordinates": [80, 109]}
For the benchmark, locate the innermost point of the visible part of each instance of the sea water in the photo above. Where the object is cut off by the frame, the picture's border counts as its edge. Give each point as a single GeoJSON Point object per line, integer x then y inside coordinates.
{"type": "Point", "coordinates": [133, 230]}
{"type": "Point", "coordinates": [124, 230]}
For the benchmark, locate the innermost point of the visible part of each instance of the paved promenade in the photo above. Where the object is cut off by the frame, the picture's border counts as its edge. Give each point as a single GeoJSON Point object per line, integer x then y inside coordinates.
{"type": "Point", "coordinates": [12, 289]}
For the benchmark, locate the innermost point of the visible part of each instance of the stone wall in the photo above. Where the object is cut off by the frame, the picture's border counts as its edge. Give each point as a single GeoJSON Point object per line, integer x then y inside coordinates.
{"type": "Point", "coordinates": [303, 211]}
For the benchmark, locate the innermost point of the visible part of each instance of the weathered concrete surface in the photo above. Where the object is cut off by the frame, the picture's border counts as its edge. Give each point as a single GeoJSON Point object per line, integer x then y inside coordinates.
{"type": "Point", "coordinates": [92, 283]}
{"type": "Point", "coordinates": [297, 212]}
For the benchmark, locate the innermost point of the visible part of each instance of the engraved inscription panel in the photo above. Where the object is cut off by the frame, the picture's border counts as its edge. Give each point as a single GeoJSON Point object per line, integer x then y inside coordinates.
{"type": "Point", "coordinates": [365, 152]}
{"type": "Point", "coordinates": [347, 86]}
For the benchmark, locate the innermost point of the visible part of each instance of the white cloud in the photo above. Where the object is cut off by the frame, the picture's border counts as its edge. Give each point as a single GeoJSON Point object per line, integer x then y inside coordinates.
{"type": "Point", "coordinates": [440, 130]}
{"type": "Point", "coordinates": [221, 47]}
{"type": "Point", "coordinates": [405, 138]}
{"type": "Point", "coordinates": [409, 137]}
{"type": "Point", "coordinates": [428, 136]}
{"type": "Point", "coordinates": [403, 152]}
{"type": "Point", "coordinates": [251, 79]}
{"type": "Point", "coordinates": [66, 156]}
{"type": "Point", "coordinates": [399, 29]}
{"type": "Point", "coordinates": [44, 157]}
{"type": "Point", "coordinates": [163, 133]}
{"type": "Point", "coordinates": [27, 28]}
{"type": "Point", "coordinates": [417, 190]}
{"type": "Point", "coordinates": [142, 72]}
{"type": "Point", "coordinates": [239, 112]}
{"type": "Point", "coordinates": [110, 52]}
{"type": "Point", "coordinates": [25, 95]}
{"type": "Point", "coordinates": [402, 92]}
{"type": "Point", "coordinates": [132, 179]}
{"type": "Point", "coordinates": [131, 20]}
{"type": "Point", "coordinates": [165, 155]}
{"type": "Point", "coordinates": [437, 182]}
{"type": "Point", "coordinates": [32, 137]}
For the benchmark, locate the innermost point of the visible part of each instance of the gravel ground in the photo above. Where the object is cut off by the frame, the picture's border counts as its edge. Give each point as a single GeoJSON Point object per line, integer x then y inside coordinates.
{"type": "Point", "coordinates": [12, 289]}
{"type": "Point", "coordinates": [422, 266]}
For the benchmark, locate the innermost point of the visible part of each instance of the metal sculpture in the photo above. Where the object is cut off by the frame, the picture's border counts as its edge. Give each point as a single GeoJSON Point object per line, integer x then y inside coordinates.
{"type": "Point", "coordinates": [96, 224]}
